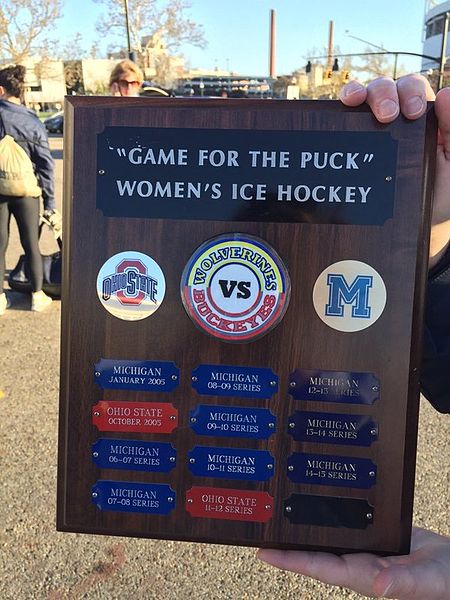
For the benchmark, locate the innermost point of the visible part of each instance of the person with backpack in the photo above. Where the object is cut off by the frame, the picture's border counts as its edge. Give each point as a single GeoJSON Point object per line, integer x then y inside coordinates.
{"type": "Point", "coordinates": [26, 173]}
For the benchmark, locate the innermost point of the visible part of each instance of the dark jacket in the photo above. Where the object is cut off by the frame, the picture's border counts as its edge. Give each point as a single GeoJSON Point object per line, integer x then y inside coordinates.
{"type": "Point", "coordinates": [24, 126]}
{"type": "Point", "coordinates": [435, 370]}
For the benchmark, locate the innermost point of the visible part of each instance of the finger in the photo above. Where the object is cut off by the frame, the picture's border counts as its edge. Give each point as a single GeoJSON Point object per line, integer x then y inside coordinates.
{"type": "Point", "coordinates": [382, 97]}
{"type": "Point", "coordinates": [353, 93]}
{"type": "Point", "coordinates": [442, 109]}
{"type": "Point", "coordinates": [413, 92]}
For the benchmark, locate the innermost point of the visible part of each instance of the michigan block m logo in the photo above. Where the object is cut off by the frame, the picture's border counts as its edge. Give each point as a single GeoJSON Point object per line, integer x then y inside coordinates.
{"type": "Point", "coordinates": [356, 294]}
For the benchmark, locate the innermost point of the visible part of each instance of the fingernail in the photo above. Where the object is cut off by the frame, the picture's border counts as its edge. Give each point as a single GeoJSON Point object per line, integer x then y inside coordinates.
{"type": "Point", "coordinates": [351, 88]}
{"type": "Point", "coordinates": [388, 109]}
{"type": "Point", "coordinates": [414, 106]}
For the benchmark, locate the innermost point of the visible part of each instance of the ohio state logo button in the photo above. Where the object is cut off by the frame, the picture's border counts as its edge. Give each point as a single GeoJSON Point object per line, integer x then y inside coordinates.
{"type": "Point", "coordinates": [131, 286]}
{"type": "Point", "coordinates": [235, 287]}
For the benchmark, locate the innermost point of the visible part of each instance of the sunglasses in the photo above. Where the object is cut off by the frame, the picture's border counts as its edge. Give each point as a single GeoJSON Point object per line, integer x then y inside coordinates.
{"type": "Point", "coordinates": [124, 83]}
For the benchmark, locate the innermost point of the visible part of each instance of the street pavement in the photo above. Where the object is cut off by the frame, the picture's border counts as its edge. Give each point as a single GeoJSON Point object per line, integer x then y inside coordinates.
{"type": "Point", "coordinates": [36, 562]}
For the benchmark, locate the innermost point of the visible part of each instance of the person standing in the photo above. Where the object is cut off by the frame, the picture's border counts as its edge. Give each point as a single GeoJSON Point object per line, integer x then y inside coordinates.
{"type": "Point", "coordinates": [126, 79]}
{"type": "Point", "coordinates": [424, 574]}
{"type": "Point", "coordinates": [24, 127]}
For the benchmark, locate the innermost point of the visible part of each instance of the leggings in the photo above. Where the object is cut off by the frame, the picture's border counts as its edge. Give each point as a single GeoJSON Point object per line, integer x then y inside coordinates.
{"type": "Point", "coordinates": [26, 213]}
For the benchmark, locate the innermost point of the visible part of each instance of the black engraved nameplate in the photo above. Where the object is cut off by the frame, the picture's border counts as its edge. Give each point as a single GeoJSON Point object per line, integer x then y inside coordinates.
{"type": "Point", "coordinates": [229, 175]}
{"type": "Point", "coordinates": [328, 511]}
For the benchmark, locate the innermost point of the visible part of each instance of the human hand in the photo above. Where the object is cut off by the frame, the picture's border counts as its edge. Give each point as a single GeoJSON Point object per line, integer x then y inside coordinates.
{"type": "Point", "coordinates": [115, 89]}
{"type": "Point", "coordinates": [424, 574]}
{"type": "Point", "coordinates": [409, 95]}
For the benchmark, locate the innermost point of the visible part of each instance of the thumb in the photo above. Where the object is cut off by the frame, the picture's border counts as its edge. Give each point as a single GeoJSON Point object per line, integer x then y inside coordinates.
{"type": "Point", "coordinates": [442, 109]}
{"type": "Point", "coordinates": [396, 582]}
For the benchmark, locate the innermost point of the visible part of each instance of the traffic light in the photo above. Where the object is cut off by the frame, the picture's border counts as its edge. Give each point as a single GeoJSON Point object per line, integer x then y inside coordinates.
{"type": "Point", "coordinates": [345, 75]}
{"type": "Point", "coordinates": [327, 74]}
{"type": "Point", "coordinates": [308, 67]}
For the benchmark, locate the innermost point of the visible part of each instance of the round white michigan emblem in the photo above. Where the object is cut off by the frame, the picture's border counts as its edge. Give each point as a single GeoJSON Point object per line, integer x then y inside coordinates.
{"type": "Point", "coordinates": [131, 286]}
{"type": "Point", "coordinates": [349, 295]}
{"type": "Point", "coordinates": [235, 287]}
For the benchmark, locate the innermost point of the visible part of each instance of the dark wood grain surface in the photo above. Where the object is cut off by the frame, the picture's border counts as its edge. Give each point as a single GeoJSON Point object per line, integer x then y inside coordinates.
{"type": "Point", "coordinates": [390, 347]}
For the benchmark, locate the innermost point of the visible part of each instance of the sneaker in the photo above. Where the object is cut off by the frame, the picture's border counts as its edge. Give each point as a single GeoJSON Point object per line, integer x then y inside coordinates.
{"type": "Point", "coordinates": [40, 301]}
{"type": "Point", "coordinates": [4, 304]}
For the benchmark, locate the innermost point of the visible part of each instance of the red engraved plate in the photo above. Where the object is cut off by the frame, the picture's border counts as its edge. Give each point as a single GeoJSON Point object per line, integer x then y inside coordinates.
{"type": "Point", "coordinates": [234, 505]}
{"type": "Point", "coordinates": [146, 417]}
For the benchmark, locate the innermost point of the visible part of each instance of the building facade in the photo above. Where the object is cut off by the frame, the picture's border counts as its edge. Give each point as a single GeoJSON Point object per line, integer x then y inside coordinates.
{"type": "Point", "coordinates": [436, 14]}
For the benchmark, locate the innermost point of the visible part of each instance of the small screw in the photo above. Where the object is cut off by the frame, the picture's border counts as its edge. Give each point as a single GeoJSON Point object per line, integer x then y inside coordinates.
{"type": "Point", "coordinates": [371, 473]}
{"type": "Point", "coordinates": [170, 499]}
{"type": "Point", "coordinates": [190, 501]}
{"type": "Point", "coordinates": [174, 377]}
{"type": "Point", "coordinates": [194, 378]}
{"type": "Point", "coordinates": [290, 468]}
{"type": "Point", "coordinates": [373, 432]}
{"type": "Point", "coordinates": [193, 420]}
{"type": "Point", "coordinates": [267, 507]}
{"type": "Point", "coordinates": [273, 383]}
{"type": "Point", "coordinates": [388, 178]}
{"type": "Point", "coordinates": [291, 425]}
{"type": "Point", "coordinates": [271, 425]}
{"type": "Point", "coordinates": [101, 172]}
{"type": "Point", "coordinates": [96, 414]}
{"type": "Point", "coordinates": [94, 494]}
{"type": "Point", "coordinates": [369, 516]}
{"type": "Point", "coordinates": [95, 454]}
{"type": "Point", "coordinates": [97, 373]}
{"type": "Point", "coordinates": [172, 417]}
{"type": "Point", "coordinates": [172, 459]}
{"type": "Point", "coordinates": [375, 388]}
{"type": "Point", "coordinates": [270, 466]}
{"type": "Point", "coordinates": [292, 384]}
{"type": "Point", "coordinates": [192, 461]}
{"type": "Point", "coordinates": [288, 509]}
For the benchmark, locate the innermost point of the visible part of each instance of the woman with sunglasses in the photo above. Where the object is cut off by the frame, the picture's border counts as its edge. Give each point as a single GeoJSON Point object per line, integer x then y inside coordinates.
{"type": "Point", "coordinates": [126, 79]}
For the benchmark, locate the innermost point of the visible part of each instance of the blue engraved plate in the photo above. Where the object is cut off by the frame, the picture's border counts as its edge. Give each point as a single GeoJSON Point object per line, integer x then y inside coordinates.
{"type": "Point", "coordinates": [141, 375]}
{"type": "Point", "coordinates": [330, 428]}
{"type": "Point", "coordinates": [242, 382]}
{"type": "Point", "coordinates": [325, 469]}
{"type": "Point", "coordinates": [231, 463]}
{"type": "Point", "coordinates": [134, 455]}
{"type": "Point", "coordinates": [232, 421]}
{"type": "Point", "coordinates": [127, 496]}
{"type": "Point", "coordinates": [334, 386]}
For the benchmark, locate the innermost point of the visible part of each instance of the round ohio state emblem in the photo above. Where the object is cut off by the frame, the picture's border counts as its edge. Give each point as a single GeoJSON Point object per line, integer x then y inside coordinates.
{"type": "Point", "coordinates": [235, 287]}
{"type": "Point", "coordinates": [131, 286]}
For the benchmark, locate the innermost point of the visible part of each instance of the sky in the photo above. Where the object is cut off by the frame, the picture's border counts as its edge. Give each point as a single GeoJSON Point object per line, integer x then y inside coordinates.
{"type": "Point", "coordinates": [237, 31]}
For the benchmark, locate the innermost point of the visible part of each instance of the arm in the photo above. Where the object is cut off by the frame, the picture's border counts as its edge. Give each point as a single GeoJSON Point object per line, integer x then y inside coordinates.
{"type": "Point", "coordinates": [425, 573]}
{"type": "Point", "coordinates": [43, 160]}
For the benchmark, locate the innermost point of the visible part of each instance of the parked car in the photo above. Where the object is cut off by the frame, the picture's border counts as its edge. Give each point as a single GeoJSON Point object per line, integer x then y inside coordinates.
{"type": "Point", "coordinates": [55, 123]}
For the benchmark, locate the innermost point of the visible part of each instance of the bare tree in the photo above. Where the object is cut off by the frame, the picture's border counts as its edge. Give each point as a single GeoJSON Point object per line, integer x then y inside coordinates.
{"type": "Point", "coordinates": [22, 25]}
{"type": "Point", "coordinates": [156, 29]}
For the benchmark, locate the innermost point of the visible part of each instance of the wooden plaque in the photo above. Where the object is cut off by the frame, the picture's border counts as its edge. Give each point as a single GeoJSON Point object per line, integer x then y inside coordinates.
{"type": "Point", "coordinates": [242, 320]}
